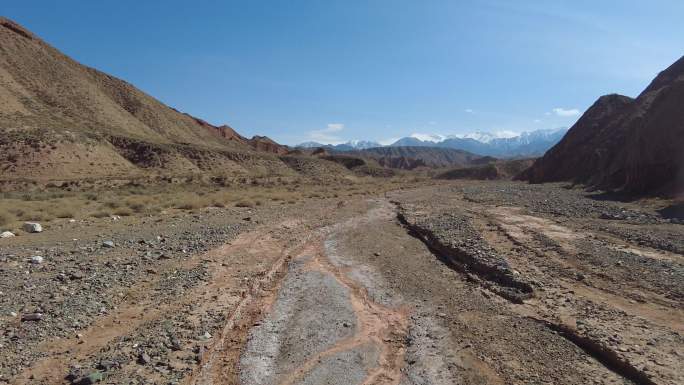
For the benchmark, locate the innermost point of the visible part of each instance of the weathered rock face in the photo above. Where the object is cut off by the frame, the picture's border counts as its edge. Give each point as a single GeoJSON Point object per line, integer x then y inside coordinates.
{"type": "Point", "coordinates": [634, 145]}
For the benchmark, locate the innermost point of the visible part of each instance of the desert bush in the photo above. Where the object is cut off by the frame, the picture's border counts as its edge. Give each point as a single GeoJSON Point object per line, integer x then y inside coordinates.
{"type": "Point", "coordinates": [64, 212]}
{"type": "Point", "coordinates": [123, 212]}
{"type": "Point", "coordinates": [244, 203]}
{"type": "Point", "coordinates": [112, 204]}
{"type": "Point", "coordinates": [137, 206]}
{"type": "Point", "coordinates": [100, 214]}
{"type": "Point", "coordinates": [6, 218]}
{"type": "Point", "coordinates": [37, 216]}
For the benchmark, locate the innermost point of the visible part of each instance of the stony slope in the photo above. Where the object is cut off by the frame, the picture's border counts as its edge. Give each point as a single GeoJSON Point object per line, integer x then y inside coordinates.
{"type": "Point", "coordinates": [624, 143]}
{"type": "Point", "coordinates": [501, 169]}
{"type": "Point", "coordinates": [71, 120]}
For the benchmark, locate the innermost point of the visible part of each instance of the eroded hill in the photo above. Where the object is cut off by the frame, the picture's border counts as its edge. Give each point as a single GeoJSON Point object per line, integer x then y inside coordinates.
{"type": "Point", "coordinates": [61, 119]}
{"type": "Point", "coordinates": [624, 143]}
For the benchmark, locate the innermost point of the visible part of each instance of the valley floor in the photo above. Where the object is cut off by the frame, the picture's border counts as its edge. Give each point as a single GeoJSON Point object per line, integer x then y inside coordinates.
{"type": "Point", "coordinates": [461, 282]}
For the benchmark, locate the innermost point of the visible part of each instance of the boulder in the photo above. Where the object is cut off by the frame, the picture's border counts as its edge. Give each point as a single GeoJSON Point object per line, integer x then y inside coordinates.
{"type": "Point", "coordinates": [37, 259]}
{"type": "Point", "coordinates": [33, 227]}
{"type": "Point", "coordinates": [108, 244]}
{"type": "Point", "coordinates": [7, 234]}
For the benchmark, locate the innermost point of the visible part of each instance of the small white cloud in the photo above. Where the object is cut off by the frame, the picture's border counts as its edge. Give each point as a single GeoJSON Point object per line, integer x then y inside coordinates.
{"type": "Point", "coordinates": [565, 113]}
{"type": "Point", "coordinates": [334, 127]}
{"type": "Point", "coordinates": [537, 120]}
{"type": "Point", "coordinates": [327, 135]}
{"type": "Point", "coordinates": [470, 111]}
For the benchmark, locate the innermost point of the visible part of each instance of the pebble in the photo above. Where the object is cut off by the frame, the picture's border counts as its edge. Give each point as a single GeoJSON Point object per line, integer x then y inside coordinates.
{"type": "Point", "coordinates": [108, 244]}
{"type": "Point", "coordinates": [144, 359]}
{"type": "Point", "coordinates": [37, 259]}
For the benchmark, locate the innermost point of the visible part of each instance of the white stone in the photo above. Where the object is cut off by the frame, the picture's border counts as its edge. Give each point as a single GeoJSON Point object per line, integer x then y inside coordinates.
{"type": "Point", "coordinates": [108, 244]}
{"type": "Point", "coordinates": [7, 234]}
{"type": "Point", "coordinates": [33, 227]}
{"type": "Point", "coordinates": [37, 259]}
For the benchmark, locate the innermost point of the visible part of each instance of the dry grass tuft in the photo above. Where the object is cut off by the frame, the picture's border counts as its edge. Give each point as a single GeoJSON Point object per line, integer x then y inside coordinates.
{"type": "Point", "coordinates": [6, 219]}
{"type": "Point", "coordinates": [244, 203]}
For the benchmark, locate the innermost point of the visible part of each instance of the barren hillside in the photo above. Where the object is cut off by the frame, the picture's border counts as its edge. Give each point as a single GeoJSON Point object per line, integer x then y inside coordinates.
{"type": "Point", "coordinates": [624, 143]}
{"type": "Point", "coordinates": [59, 118]}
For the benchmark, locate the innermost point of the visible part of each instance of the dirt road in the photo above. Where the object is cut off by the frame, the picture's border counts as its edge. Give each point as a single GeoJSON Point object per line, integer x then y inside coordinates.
{"type": "Point", "coordinates": [471, 284]}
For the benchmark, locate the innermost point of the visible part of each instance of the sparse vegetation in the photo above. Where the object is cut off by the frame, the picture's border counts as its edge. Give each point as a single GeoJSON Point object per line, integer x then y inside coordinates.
{"type": "Point", "coordinates": [64, 200]}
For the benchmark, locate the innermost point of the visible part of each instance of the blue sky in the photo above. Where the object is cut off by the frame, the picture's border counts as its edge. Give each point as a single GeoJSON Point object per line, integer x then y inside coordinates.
{"type": "Point", "coordinates": [338, 70]}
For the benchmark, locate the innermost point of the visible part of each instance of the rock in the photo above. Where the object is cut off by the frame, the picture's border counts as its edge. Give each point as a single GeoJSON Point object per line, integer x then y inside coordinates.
{"type": "Point", "coordinates": [32, 317]}
{"type": "Point", "coordinates": [144, 359]}
{"type": "Point", "coordinates": [108, 244]}
{"type": "Point", "coordinates": [37, 259]}
{"type": "Point", "coordinates": [7, 234]}
{"type": "Point", "coordinates": [33, 227]}
{"type": "Point", "coordinates": [205, 336]}
{"type": "Point", "coordinates": [106, 365]}
{"type": "Point", "coordinates": [91, 378]}
{"type": "Point", "coordinates": [76, 275]}
{"type": "Point", "coordinates": [176, 344]}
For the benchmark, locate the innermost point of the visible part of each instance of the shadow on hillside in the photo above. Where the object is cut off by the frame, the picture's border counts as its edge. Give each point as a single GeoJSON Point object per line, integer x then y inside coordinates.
{"type": "Point", "coordinates": [612, 196]}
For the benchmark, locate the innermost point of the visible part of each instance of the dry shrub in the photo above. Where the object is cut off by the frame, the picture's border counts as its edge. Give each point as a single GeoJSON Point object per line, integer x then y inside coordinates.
{"type": "Point", "coordinates": [100, 214]}
{"type": "Point", "coordinates": [190, 201]}
{"type": "Point", "coordinates": [6, 219]}
{"type": "Point", "coordinates": [137, 205]}
{"type": "Point", "coordinates": [112, 204]}
{"type": "Point", "coordinates": [123, 212]}
{"type": "Point", "coordinates": [64, 212]}
{"type": "Point", "coordinates": [244, 203]}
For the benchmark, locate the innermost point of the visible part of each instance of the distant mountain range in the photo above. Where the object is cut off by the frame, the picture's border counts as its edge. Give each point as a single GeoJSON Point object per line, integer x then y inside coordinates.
{"type": "Point", "coordinates": [408, 158]}
{"type": "Point", "coordinates": [526, 144]}
{"type": "Point", "coordinates": [349, 146]}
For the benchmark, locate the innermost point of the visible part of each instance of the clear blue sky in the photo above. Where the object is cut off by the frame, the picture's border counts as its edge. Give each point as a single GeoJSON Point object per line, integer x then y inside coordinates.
{"type": "Point", "coordinates": [338, 70]}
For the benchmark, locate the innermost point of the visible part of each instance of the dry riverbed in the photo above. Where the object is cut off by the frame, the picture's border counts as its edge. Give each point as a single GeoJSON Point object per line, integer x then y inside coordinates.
{"type": "Point", "coordinates": [476, 283]}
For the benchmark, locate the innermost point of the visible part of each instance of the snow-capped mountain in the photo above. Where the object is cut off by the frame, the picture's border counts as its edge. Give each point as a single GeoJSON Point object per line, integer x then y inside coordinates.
{"type": "Point", "coordinates": [500, 145]}
{"type": "Point", "coordinates": [348, 146]}
{"type": "Point", "coordinates": [485, 137]}
{"type": "Point", "coordinates": [504, 144]}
